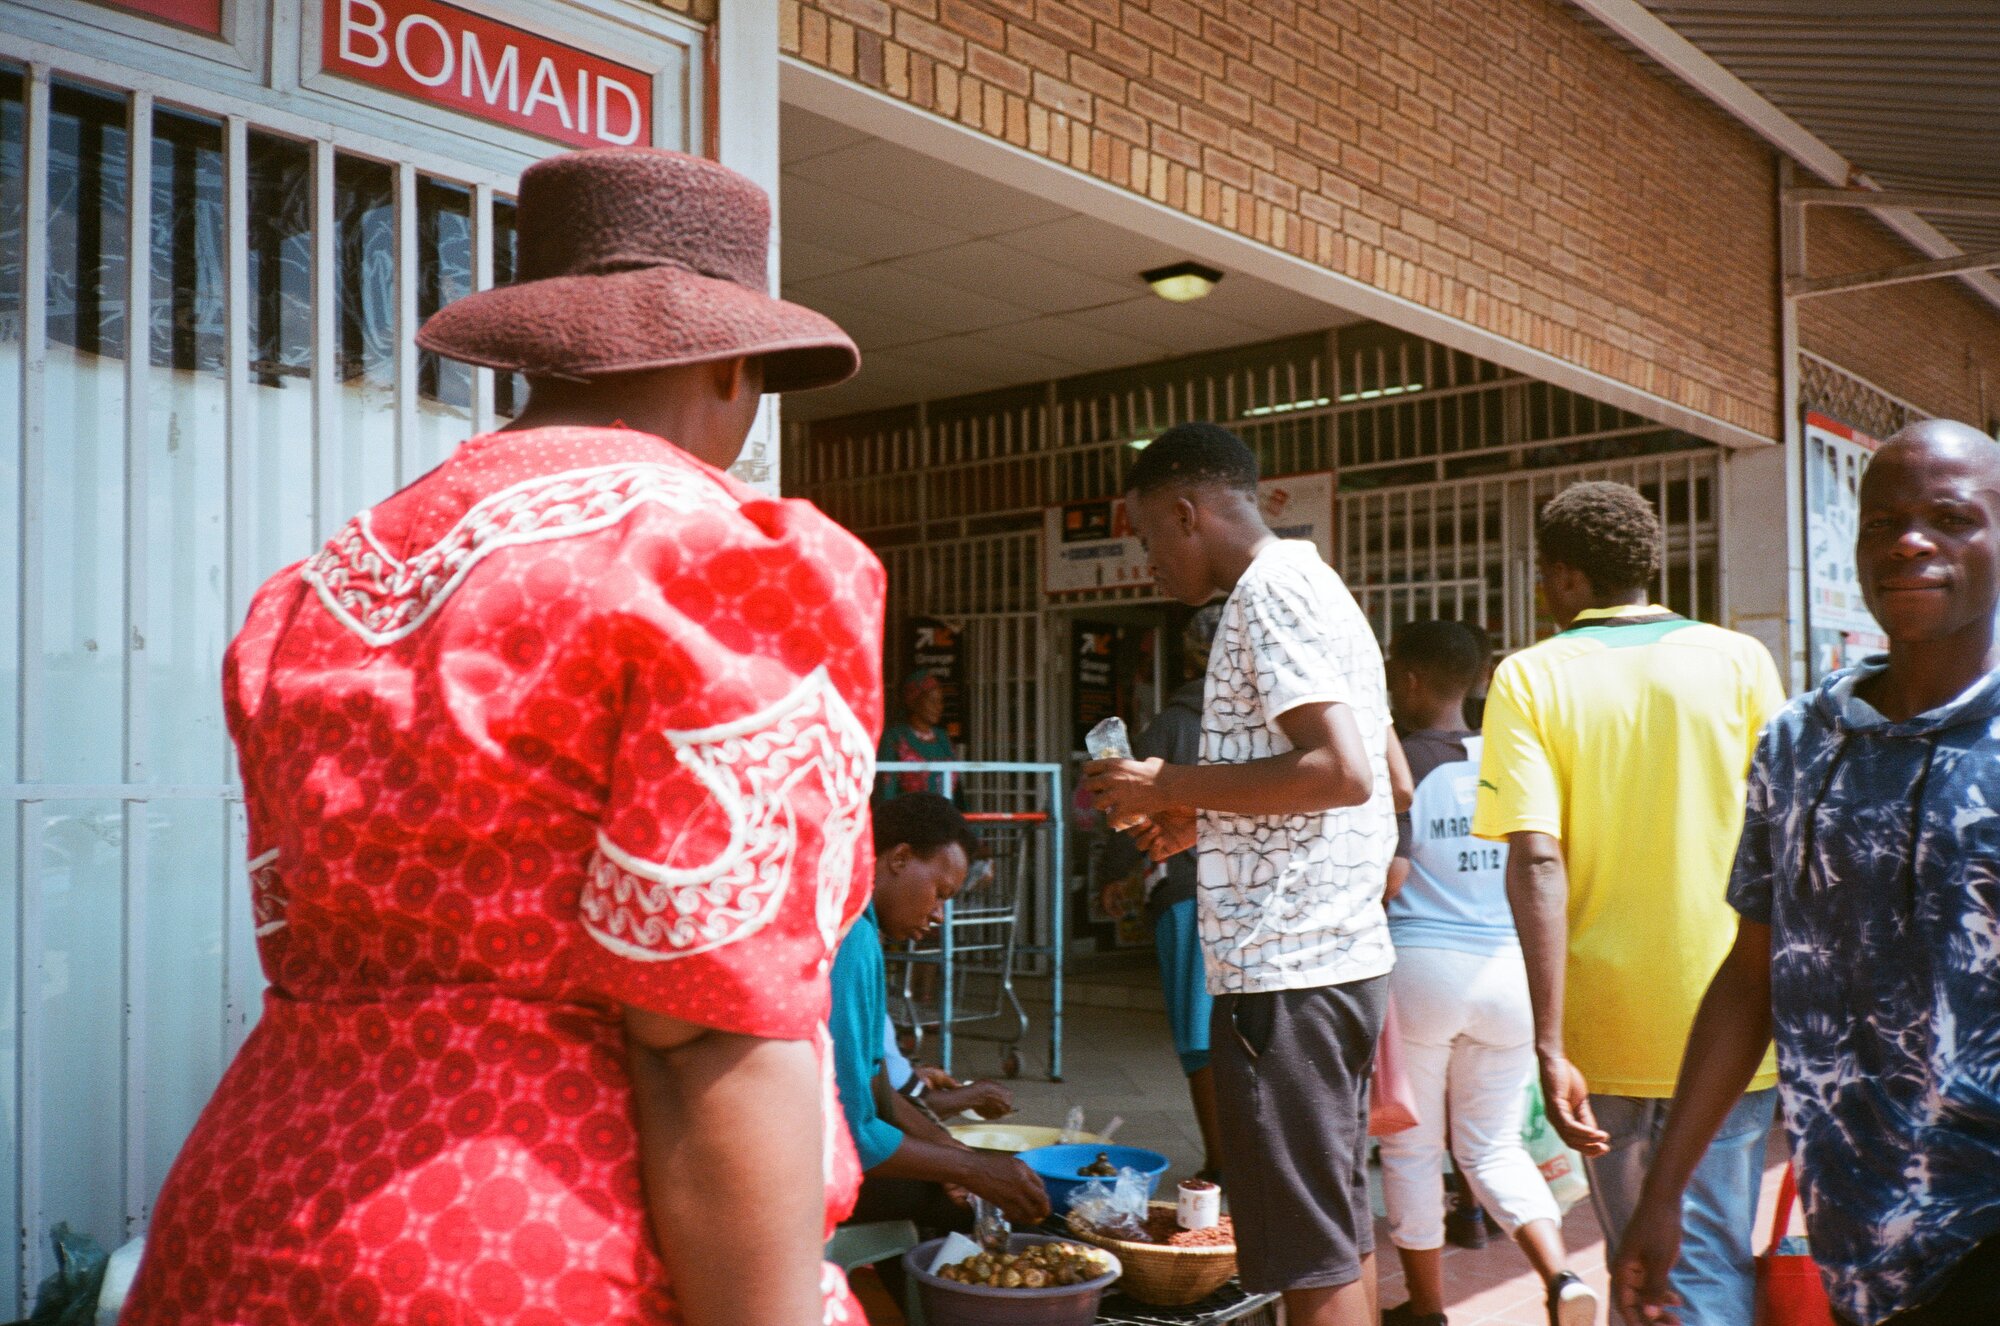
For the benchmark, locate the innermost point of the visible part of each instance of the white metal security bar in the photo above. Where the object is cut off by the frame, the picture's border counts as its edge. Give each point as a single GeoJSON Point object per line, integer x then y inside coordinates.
{"type": "Point", "coordinates": [206, 362]}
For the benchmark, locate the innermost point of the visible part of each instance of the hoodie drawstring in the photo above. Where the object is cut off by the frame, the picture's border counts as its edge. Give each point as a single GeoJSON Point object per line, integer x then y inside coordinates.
{"type": "Point", "coordinates": [1917, 824]}
{"type": "Point", "coordinates": [1811, 829]}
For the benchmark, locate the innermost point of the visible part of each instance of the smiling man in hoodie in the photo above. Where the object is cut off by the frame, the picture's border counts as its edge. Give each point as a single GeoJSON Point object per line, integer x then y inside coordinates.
{"type": "Point", "coordinates": [1868, 885]}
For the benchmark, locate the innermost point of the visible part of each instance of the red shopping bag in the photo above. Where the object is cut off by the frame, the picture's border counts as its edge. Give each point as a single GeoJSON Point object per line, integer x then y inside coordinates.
{"type": "Point", "coordinates": [1393, 1105]}
{"type": "Point", "coordinates": [1789, 1290]}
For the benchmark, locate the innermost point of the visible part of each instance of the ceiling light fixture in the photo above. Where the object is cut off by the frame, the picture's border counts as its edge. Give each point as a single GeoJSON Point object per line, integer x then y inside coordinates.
{"type": "Point", "coordinates": [1182, 281]}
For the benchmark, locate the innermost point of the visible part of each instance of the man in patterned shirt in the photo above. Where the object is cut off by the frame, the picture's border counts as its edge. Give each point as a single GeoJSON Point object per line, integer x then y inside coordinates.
{"type": "Point", "coordinates": [1290, 809]}
{"type": "Point", "coordinates": [1869, 937]}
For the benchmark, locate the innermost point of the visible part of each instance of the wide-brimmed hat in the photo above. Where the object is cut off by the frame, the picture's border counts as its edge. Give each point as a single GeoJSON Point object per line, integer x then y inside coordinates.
{"type": "Point", "coordinates": [635, 258]}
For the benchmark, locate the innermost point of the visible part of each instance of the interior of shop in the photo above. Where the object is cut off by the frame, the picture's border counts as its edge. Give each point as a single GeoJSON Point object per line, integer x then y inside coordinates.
{"type": "Point", "coordinates": [1016, 357]}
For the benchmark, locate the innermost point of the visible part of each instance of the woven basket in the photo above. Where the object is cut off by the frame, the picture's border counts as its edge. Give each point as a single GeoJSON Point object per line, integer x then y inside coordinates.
{"type": "Point", "coordinates": [1163, 1276]}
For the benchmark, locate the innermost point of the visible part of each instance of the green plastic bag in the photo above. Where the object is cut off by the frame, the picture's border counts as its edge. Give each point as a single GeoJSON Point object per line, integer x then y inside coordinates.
{"type": "Point", "coordinates": [68, 1296]}
{"type": "Point", "coordinates": [1561, 1167]}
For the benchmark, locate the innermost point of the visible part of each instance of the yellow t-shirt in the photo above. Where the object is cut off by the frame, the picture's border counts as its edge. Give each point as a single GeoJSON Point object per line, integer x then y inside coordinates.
{"type": "Point", "coordinates": [1628, 737]}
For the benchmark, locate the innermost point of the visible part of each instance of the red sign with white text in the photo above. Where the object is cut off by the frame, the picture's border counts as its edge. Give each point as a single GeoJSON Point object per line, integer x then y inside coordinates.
{"type": "Point", "coordinates": [201, 15]}
{"type": "Point", "coordinates": [450, 57]}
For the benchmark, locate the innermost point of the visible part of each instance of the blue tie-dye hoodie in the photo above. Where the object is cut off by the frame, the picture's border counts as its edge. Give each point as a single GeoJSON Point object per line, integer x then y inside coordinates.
{"type": "Point", "coordinates": [1872, 849]}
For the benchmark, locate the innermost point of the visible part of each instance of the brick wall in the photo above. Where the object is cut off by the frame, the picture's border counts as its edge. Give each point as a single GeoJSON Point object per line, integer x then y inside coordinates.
{"type": "Point", "coordinates": [1933, 343]}
{"type": "Point", "coordinates": [1494, 160]}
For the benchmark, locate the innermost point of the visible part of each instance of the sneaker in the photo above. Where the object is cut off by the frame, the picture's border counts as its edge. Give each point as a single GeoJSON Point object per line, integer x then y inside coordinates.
{"type": "Point", "coordinates": [1571, 1302]}
{"type": "Point", "coordinates": [1400, 1315]}
{"type": "Point", "coordinates": [1465, 1227]}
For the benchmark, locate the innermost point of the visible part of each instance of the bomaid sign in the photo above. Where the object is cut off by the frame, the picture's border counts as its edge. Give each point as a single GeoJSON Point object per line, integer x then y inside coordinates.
{"type": "Point", "coordinates": [451, 57]}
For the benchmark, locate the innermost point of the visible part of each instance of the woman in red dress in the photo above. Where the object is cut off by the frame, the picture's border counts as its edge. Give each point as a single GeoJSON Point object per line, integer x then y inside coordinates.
{"type": "Point", "coordinates": [556, 766]}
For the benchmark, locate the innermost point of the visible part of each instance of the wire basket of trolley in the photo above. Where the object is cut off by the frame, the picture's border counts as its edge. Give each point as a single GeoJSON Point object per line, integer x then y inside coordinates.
{"type": "Point", "coordinates": [960, 980]}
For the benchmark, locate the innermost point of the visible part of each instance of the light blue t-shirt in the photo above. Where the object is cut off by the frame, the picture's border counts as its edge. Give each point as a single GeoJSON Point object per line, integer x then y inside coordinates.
{"type": "Point", "coordinates": [1456, 894]}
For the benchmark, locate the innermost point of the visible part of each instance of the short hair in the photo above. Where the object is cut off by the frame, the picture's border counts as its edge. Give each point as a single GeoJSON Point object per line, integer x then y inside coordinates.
{"type": "Point", "coordinates": [1606, 530]}
{"type": "Point", "coordinates": [1445, 654]}
{"type": "Point", "coordinates": [924, 822]}
{"type": "Point", "coordinates": [1195, 454]}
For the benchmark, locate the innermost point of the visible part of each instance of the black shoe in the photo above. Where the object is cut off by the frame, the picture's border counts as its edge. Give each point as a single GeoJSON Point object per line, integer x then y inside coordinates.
{"type": "Point", "coordinates": [1465, 1227]}
{"type": "Point", "coordinates": [1400, 1315]}
{"type": "Point", "coordinates": [1571, 1302]}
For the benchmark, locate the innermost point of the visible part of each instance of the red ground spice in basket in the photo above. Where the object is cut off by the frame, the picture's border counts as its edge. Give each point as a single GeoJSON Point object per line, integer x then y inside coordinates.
{"type": "Point", "coordinates": [1164, 1227]}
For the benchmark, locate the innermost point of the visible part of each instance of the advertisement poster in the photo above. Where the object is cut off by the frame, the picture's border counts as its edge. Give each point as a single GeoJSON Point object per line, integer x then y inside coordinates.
{"type": "Point", "coordinates": [1090, 545]}
{"type": "Point", "coordinates": [938, 647]}
{"type": "Point", "coordinates": [1842, 629]}
{"type": "Point", "coordinates": [1094, 659]}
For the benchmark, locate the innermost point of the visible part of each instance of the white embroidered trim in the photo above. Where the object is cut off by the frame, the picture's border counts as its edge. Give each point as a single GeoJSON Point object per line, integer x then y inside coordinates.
{"type": "Point", "coordinates": [652, 912]}
{"type": "Point", "coordinates": [268, 903]}
{"type": "Point", "coordinates": [834, 1291]}
{"type": "Point", "coordinates": [382, 599]}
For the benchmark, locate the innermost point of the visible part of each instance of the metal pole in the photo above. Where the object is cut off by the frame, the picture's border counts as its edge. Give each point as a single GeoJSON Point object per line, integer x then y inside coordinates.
{"type": "Point", "coordinates": [945, 946]}
{"type": "Point", "coordinates": [1056, 906]}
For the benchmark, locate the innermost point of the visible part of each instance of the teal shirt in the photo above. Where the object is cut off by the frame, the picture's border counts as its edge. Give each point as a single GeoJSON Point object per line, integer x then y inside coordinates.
{"type": "Point", "coordinates": [860, 1003]}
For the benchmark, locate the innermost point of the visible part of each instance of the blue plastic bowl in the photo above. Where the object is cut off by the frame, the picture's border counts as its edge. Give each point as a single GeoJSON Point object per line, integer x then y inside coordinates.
{"type": "Point", "coordinates": [1058, 1166]}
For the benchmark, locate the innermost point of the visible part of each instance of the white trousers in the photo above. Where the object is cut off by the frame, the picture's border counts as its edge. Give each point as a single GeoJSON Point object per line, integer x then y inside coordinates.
{"type": "Point", "coordinates": [1468, 1047]}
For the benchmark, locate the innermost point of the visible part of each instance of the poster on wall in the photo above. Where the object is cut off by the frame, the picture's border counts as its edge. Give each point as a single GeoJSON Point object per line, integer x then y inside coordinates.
{"type": "Point", "coordinates": [937, 647]}
{"type": "Point", "coordinates": [1090, 545]}
{"type": "Point", "coordinates": [1842, 631]}
{"type": "Point", "coordinates": [1094, 671]}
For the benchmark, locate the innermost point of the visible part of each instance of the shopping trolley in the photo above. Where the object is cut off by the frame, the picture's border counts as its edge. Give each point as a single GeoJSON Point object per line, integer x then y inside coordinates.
{"type": "Point", "coordinates": [960, 980]}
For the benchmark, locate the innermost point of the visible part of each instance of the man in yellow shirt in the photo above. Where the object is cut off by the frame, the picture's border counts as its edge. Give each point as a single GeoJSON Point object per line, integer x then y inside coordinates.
{"type": "Point", "coordinates": [1615, 761]}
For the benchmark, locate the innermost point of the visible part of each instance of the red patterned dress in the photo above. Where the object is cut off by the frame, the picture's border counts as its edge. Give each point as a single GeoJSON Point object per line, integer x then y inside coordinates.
{"type": "Point", "coordinates": [574, 721]}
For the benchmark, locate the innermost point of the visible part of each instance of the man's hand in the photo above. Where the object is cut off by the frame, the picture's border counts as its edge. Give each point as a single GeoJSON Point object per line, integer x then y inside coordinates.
{"type": "Point", "coordinates": [1566, 1097]}
{"type": "Point", "coordinates": [1646, 1255]}
{"type": "Point", "coordinates": [1167, 834]}
{"type": "Point", "coordinates": [1125, 789]}
{"type": "Point", "coordinates": [1009, 1185]}
{"type": "Point", "coordinates": [988, 1100]}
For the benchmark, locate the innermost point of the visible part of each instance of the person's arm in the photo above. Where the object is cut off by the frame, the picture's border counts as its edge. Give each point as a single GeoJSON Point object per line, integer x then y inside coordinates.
{"type": "Point", "coordinates": [1726, 1046]}
{"type": "Point", "coordinates": [1167, 833]}
{"type": "Point", "coordinates": [1399, 864]}
{"type": "Point", "coordinates": [902, 1114]}
{"type": "Point", "coordinates": [738, 1227]}
{"type": "Point", "coordinates": [1402, 783]}
{"type": "Point", "coordinates": [948, 1096]}
{"type": "Point", "coordinates": [1399, 874]}
{"type": "Point", "coordinates": [929, 1153]}
{"type": "Point", "coordinates": [1327, 767]}
{"type": "Point", "coordinates": [1538, 892]}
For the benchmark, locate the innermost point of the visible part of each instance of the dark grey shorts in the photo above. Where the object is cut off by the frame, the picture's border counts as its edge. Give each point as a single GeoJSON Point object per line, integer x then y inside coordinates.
{"type": "Point", "coordinates": [1291, 1094]}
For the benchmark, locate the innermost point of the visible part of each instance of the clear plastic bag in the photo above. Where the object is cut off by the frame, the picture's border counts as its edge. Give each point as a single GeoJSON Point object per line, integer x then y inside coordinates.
{"type": "Point", "coordinates": [1110, 741]}
{"type": "Point", "coordinates": [1114, 1208]}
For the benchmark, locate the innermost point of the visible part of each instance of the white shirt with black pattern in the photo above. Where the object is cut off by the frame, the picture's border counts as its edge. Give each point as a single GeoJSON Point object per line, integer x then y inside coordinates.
{"type": "Point", "coordinates": [1293, 902]}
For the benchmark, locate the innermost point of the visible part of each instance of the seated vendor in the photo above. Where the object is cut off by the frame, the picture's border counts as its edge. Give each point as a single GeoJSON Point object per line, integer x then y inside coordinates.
{"type": "Point", "coordinates": [914, 1169]}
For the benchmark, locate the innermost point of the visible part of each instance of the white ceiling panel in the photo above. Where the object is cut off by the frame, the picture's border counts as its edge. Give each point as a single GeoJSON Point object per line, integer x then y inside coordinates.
{"type": "Point", "coordinates": [1090, 245]}
{"type": "Point", "coordinates": [804, 135]}
{"type": "Point", "coordinates": [926, 188]}
{"type": "Point", "coordinates": [998, 366]}
{"type": "Point", "coordinates": [855, 226]}
{"type": "Point", "coordinates": [952, 284]}
{"type": "Point", "coordinates": [1018, 277]}
{"type": "Point", "coordinates": [1170, 325]}
{"type": "Point", "coordinates": [802, 260]}
{"type": "Point", "coordinates": [1087, 348]}
{"type": "Point", "coordinates": [899, 294]}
